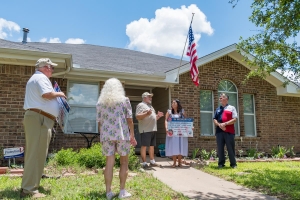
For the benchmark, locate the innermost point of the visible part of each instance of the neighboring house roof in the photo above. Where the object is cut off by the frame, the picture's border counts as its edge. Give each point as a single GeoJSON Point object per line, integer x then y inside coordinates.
{"type": "Point", "coordinates": [103, 58]}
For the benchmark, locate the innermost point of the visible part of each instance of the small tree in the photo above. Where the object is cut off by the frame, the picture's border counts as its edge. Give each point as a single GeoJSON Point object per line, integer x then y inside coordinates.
{"type": "Point", "coordinates": [274, 47]}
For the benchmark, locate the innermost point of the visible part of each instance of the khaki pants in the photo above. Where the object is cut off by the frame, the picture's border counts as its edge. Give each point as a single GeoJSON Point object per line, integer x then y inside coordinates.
{"type": "Point", "coordinates": [38, 135]}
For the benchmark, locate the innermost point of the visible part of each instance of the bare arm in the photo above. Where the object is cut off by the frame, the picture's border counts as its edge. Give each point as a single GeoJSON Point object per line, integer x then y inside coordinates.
{"type": "Point", "coordinates": [166, 121]}
{"type": "Point", "coordinates": [131, 128]}
{"type": "Point", "coordinates": [144, 114]}
{"type": "Point", "coordinates": [52, 95]}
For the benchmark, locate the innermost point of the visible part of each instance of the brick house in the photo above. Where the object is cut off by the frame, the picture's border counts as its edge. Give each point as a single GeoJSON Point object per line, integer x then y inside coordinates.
{"type": "Point", "coordinates": [267, 111]}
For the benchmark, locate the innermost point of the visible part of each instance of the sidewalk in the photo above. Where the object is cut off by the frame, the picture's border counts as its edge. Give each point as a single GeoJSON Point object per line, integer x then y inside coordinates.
{"type": "Point", "coordinates": [196, 184]}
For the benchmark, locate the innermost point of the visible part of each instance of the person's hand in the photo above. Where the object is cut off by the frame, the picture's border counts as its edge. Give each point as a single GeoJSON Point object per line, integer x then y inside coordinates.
{"type": "Point", "coordinates": [149, 112]}
{"type": "Point", "coordinates": [160, 114]}
{"type": "Point", "coordinates": [61, 94]}
{"type": "Point", "coordinates": [222, 126]}
{"type": "Point", "coordinates": [133, 140]}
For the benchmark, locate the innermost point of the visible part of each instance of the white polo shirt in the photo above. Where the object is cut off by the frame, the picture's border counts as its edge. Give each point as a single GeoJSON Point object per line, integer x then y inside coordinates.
{"type": "Point", "coordinates": [36, 86]}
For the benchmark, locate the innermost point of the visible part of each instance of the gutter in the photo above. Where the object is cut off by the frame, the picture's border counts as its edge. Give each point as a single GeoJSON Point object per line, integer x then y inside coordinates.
{"type": "Point", "coordinates": [63, 72]}
{"type": "Point", "coordinates": [67, 70]}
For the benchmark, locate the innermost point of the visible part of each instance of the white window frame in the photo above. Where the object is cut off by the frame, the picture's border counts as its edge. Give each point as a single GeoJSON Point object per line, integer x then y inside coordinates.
{"type": "Point", "coordinates": [237, 102]}
{"type": "Point", "coordinates": [251, 114]}
{"type": "Point", "coordinates": [79, 105]}
{"type": "Point", "coordinates": [212, 112]}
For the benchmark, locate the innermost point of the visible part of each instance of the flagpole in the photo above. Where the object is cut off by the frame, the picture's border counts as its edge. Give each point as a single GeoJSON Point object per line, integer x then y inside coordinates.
{"type": "Point", "coordinates": [177, 77]}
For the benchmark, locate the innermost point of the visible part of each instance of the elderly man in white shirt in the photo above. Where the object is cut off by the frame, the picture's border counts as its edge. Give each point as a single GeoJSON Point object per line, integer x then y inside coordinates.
{"type": "Point", "coordinates": [42, 108]}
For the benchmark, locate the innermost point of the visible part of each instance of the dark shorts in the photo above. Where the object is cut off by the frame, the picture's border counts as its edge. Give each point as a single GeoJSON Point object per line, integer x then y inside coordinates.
{"type": "Point", "coordinates": [148, 139]}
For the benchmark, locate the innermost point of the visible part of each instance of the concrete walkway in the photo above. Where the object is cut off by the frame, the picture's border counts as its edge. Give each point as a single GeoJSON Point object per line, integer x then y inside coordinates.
{"type": "Point", "coordinates": [196, 184]}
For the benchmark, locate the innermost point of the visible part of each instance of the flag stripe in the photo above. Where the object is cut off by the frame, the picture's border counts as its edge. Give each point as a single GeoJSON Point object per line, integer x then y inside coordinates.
{"type": "Point", "coordinates": [192, 53]}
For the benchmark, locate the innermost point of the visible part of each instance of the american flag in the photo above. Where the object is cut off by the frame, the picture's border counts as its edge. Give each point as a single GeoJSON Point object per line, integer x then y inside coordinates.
{"type": "Point", "coordinates": [64, 108]}
{"type": "Point", "coordinates": [192, 52]}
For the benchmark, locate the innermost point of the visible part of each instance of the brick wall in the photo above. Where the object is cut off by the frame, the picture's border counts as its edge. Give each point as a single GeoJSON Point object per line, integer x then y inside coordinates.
{"type": "Point", "coordinates": [277, 118]}
{"type": "Point", "coordinates": [13, 81]}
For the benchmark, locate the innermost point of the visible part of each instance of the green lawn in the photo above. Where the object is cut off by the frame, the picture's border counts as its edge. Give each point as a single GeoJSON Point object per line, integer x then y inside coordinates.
{"type": "Point", "coordinates": [142, 186]}
{"type": "Point", "coordinates": [279, 179]}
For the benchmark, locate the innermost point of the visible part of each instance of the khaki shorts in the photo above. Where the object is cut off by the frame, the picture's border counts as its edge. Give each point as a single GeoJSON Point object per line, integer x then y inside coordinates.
{"type": "Point", "coordinates": [109, 148]}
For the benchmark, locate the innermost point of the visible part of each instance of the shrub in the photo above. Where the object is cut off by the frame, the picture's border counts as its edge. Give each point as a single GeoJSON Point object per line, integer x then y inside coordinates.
{"type": "Point", "coordinates": [65, 157]}
{"type": "Point", "coordinates": [92, 157]}
{"type": "Point", "coordinates": [134, 161]}
{"type": "Point", "coordinates": [252, 153]}
{"type": "Point", "coordinates": [278, 151]}
{"type": "Point", "coordinates": [205, 155]}
{"type": "Point", "coordinates": [290, 152]}
{"type": "Point", "coordinates": [194, 153]}
{"type": "Point", "coordinates": [213, 154]}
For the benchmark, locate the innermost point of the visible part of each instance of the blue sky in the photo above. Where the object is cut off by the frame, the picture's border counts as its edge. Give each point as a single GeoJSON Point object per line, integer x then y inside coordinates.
{"type": "Point", "coordinates": [157, 27]}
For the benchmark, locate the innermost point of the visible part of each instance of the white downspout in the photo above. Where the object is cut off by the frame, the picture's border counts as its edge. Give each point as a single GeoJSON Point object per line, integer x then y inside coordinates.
{"type": "Point", "coordinates": [66, 71]}
{"type": "Point", "coordinates": [63, 72]}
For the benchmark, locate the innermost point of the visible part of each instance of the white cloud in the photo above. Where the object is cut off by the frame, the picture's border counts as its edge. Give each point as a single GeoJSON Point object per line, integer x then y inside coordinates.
{"type": "Point", "coordinates": [43, 40]}
{"type": "Point", "coordinates": [75, 41]}
{"type": "Point", "coordinates": [7, 27]}
{"type": "Point", "coordinates": [68, 41]}
{"type": "Point", "coordinates": [54, 40]}
{"type": "Point", "coordinates": [166, 33]}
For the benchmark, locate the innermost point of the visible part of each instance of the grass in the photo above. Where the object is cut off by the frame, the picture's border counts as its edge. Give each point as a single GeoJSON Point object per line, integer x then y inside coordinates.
{"type": "Point", "coordinates": [279, 179]}
{"type": "Point", "coordinates": [142, 186]}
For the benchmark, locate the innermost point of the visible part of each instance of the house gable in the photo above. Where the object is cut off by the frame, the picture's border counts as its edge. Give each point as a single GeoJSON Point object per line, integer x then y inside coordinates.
{"type": "Point", "coordinates": [274, 78]}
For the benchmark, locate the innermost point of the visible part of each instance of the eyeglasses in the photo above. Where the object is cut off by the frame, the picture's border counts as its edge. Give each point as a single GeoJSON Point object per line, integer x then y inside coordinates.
{"type": "Point", "coordinates": [50, 66]}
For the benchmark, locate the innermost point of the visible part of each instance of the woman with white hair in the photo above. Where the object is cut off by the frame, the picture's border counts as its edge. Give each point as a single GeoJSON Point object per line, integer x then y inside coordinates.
{"type": "Point", "coordinates": [115, 125]}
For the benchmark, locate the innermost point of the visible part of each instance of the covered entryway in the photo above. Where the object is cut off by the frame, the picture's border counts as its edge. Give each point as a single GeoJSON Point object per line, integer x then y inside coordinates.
{"type": "Point", "coordinates": [160, 102]}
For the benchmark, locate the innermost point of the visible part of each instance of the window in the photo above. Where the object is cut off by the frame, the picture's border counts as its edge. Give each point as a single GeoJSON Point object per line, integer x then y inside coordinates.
{"type": "Point", "coordinates": [206, 112]}
{"type": "Point", "coordinates": [82, 98]}
{"type": "Point", "coordinates": [229, 88]}
{"type": "Point", "coordinates": [249, 115]}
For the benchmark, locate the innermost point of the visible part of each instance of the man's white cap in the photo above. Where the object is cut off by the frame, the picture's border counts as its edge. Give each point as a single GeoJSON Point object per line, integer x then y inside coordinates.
{"type": "Point", "coordinates": [145, 94]}
{"type": "Point", "coordinates": [44, 61]}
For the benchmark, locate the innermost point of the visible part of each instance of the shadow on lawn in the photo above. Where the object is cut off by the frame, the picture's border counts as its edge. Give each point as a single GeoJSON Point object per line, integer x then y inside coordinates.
{"type": "Point", "coordinates": [96, 195]}
{"type": "Point", "coordinates": [10, 193]}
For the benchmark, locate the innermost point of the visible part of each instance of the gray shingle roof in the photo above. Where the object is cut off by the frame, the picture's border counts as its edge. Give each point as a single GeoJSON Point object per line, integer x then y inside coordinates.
{"type": "Point", "coordinates": [104, 58]}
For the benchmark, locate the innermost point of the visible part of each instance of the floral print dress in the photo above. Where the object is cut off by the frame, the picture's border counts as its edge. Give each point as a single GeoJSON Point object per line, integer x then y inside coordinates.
{"type": "Point", "coordinates": [113, 121]}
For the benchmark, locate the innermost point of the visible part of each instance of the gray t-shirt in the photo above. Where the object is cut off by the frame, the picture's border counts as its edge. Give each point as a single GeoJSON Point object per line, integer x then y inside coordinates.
{"type": "Point", "coordinates": [148, 124]}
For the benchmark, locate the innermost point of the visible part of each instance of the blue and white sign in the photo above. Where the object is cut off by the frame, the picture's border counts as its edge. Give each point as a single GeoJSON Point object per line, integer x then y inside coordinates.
{"type": "Point", "coordinates": [13, 152]}
{"type": "Point", "coordinates": [180, 127]}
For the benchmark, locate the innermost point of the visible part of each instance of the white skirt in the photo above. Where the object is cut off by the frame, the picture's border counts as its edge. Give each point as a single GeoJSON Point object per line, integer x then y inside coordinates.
{"type": "Point", "coordinates": [176, 146]}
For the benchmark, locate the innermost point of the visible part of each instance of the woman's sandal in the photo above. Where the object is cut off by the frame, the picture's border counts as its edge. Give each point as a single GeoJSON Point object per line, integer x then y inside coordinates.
{"type": "Point", "coordinates": [179, 165]}
{"type": "Point", "coordinates": [174, 165]}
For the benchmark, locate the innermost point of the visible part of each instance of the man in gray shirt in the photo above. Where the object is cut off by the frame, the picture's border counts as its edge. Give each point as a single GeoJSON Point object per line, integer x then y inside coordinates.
{"type": "Point", "coordinates": [147, 118]}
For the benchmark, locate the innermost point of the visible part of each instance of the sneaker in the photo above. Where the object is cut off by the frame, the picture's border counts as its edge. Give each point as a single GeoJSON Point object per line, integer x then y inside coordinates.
{"type": "Point", "coordinates": [110, 195]}
{"type": "Point", "coordinates": [155, 165]}
{"type": "Point", "coordinates": [144, 166]}
{"type": "Point", "coordinates": [234, 167]}
{"type": "Point", "coordinates": [221, 166]}
{"type": "Point", "coordinates": [124, 194]}
{"type": "Point", "coordinates": [32, 195]}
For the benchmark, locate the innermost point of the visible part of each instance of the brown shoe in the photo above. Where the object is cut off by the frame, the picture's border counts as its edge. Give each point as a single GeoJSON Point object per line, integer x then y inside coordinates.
{"type": "Point", "coordinates": [155, 165]}
{"type": "Point", "coordinates": [32, 195]}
